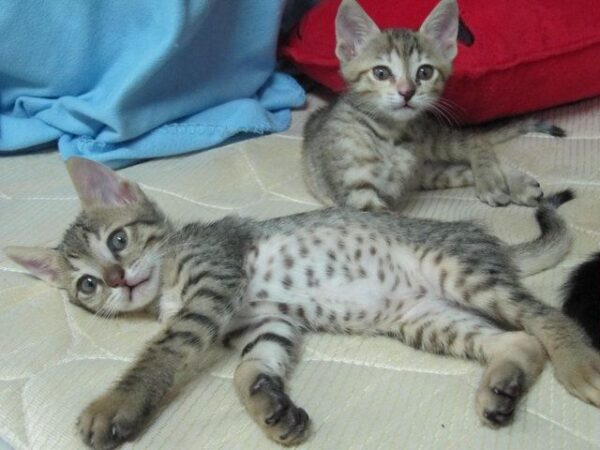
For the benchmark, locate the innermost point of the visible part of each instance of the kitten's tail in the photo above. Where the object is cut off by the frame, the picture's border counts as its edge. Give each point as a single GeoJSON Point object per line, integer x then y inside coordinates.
{"type": "Point", "coordinates": [513, 130]}
{"type": "Point", "coordinates": [551, 246]}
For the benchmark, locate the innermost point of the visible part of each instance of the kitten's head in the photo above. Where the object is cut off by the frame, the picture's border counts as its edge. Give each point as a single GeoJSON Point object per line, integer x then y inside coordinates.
{"type": "Point", "coordinates": [109, 260]}
{"type": "Point", "coordinates": [396, 73]}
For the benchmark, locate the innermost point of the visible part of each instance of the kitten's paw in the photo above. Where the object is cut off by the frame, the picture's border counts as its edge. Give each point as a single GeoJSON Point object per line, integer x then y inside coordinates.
{"type": "Point", "coordinates": [524, 190]}
{"type": "Point", "coordinates": [491, 187]}
{"type": "Point", "coordinates": [109, 421]}
{"type": "Point", "coordinates": [498, 395]}
{"type": "Point", "coordinates": [283, 421]}
{"type": "Point", "coordinates": [578, 370]}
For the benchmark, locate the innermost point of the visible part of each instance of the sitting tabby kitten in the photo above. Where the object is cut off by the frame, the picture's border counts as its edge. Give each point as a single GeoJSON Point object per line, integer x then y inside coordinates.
{"type": "Point", "coordinates": [377, 141]}
{"type": "Point", "coordinates": [443, 287]}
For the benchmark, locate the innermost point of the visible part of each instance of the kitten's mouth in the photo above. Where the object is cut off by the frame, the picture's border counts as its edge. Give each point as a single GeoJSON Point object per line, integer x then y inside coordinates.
{"type": "Point", "coordinates": [132, 289]}
{"type": "Point", "coordinates": [403, 107]}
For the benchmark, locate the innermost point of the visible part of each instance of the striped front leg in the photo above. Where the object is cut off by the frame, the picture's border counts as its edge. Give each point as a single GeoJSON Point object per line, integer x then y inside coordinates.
{"type": "Point", "coordinates": [168, 361]}
{"type": "Point", "coordinates": [269, 351]}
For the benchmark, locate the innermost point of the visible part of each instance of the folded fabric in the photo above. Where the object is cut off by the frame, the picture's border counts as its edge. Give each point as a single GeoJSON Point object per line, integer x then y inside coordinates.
{"type": "Point", "coordinates": [121, 81]}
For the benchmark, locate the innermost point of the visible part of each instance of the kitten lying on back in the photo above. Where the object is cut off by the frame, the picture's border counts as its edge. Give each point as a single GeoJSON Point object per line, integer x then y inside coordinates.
{"type": "Point", "coordinates": [377, 141]}
{"type": "Point", "coordinates": [443, 287]}
{"type": "Point", "coordinates": [582, 297]}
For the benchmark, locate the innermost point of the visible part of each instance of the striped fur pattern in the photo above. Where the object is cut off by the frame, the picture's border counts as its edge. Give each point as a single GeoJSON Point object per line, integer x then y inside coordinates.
{"type": "Point", "coordinates": [258, 287]}
{"type": "Point", "coordinates": [383, 137]}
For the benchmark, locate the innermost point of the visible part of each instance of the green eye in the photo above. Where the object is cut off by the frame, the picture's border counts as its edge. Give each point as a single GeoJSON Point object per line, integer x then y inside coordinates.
{"type": "Point", "coordinates": [87, 284]}
{"type": "Point", "coordinates": [117, 240]}
{"type": "Point", "coordinates": [382, 73]}
{"type": "Point", "coordinates": [425, 72]}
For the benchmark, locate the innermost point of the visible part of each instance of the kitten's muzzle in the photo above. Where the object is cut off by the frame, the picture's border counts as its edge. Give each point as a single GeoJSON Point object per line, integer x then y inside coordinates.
{"type": "Point", "coordinates": [407, 94]}
{"type": "Point", "coordinates": [114, 276]}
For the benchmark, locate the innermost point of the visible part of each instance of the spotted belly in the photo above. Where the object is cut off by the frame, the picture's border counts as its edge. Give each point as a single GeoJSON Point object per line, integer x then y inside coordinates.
{"type": "Point", "coordinates": [349, 278]}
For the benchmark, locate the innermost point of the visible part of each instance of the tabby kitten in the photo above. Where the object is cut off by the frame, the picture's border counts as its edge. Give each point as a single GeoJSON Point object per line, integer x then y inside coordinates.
{"type": "Point", "coordinates": [378, 140]}
{"type": "Point", "coordinates": [443, 287]}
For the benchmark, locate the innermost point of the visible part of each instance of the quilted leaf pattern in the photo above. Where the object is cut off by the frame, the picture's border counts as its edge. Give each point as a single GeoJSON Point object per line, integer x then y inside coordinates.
{"type": "Point", "coordinates": [360, 392]}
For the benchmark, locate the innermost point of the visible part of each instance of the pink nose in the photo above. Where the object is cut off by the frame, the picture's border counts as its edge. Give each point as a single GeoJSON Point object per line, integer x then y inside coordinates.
{"type": "Point", "coordinates": [114, 276]}
{"type": "Point", "coordinates": [406, 89]}
{"type": "Point", "coordinates": [406, 93]}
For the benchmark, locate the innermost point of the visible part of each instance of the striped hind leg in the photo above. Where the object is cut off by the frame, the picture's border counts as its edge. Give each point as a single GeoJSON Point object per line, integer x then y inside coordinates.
{"type": "Point", "coordinates": [497, 293]}
{"type": "Point", "coordinates": [513, 360]}
{"type": "Point", "coordinates": [269, 347]}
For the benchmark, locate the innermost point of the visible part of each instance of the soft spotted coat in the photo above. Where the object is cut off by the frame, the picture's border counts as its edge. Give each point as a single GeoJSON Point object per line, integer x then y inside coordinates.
{"type": "Point", "coordinates": [443, 287]}
{"type": "Point", "coordinates": [384, 137]}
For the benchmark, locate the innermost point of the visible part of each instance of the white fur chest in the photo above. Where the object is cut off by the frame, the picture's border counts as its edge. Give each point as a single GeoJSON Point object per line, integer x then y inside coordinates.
{"type": "Point", "coordinates": [169, 303]}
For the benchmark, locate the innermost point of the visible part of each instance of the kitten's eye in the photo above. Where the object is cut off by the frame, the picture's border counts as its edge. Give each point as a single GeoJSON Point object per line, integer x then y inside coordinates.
{"type": "Point", "coordinates": [87, 284]}
{"type": "Point", "coordinates": [117, 240]}
{"type": "Point", "coordinates": [425, 72]}
{"type": "Point", "coordinates": [382, 73]}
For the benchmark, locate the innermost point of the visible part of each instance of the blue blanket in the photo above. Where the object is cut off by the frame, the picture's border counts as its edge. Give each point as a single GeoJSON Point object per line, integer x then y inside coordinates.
{"type": "Point", "coordinates": [120, 81]}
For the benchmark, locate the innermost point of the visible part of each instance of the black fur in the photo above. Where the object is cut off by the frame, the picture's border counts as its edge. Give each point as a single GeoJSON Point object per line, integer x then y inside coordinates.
{"type": "Point", "coordinates": [582, 297]}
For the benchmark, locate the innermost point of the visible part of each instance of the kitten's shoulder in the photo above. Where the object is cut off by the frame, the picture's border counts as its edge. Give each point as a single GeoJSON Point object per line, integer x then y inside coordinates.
{"type": "Point", "coordinates": [319, 117]}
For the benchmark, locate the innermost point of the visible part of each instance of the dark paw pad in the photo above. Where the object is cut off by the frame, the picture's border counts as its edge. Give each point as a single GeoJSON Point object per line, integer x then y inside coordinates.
{"type": "Point", "coordinates": [501, 409]}
{"type": "Point", "coordinates": [296, 422]}
{"type": "Point", "coordinates": [512, 391]}
{"type": "Point", "coordinates": [510, 386]}
{"type": "Point", "coordinates": [502, 399]}
{"type": "Point", "coordinates": [121, 431]}
{"type": "Point", "coordinates": [286, 419]}
{"type": "Point", "coordinates": [498, 418]}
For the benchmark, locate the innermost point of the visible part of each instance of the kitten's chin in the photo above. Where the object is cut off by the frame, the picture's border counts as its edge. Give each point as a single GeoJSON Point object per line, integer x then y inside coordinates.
{"type": "Point", "coordinates": [403, 113]}
{"type": "Point", "coordinates": [143, 294]}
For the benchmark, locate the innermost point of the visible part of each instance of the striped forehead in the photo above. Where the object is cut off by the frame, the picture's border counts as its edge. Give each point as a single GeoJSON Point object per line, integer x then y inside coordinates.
{"type": "Point", "coordinates": [84, 244]}
{"type": "Point", "coordinates": [398, 49]}
{"type": "Point", "coordinates": [75, 242]}
{"type": "Point", "coordinates": [403, 42]}
{"type": "Point", "coordinates": [93, 257]}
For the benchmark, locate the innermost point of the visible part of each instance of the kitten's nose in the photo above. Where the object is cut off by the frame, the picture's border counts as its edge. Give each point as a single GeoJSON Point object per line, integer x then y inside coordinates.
{"type": "Point", "coordinates": [114, 276]}
{"type": "Point", "coordinates": [406, 89]}
{"type": "Point", "coordinates": [407, 93]}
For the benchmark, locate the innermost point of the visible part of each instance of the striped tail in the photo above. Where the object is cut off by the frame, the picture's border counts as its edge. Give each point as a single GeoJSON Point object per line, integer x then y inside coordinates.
{"type": "Point", "coordinates": [554, 241]}
{"type": "Point", "coordinates": [513, 130]}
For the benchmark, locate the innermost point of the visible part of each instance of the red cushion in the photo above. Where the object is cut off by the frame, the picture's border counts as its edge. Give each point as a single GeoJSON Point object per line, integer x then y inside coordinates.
{"type": "Point", "coordinates": [526, 55]}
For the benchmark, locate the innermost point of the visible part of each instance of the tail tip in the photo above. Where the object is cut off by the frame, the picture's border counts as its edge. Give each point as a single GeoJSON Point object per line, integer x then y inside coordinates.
{"type": "Point", "coordinates": [560, 198]}
{"type": "Point", "coordinates": [549, 128]}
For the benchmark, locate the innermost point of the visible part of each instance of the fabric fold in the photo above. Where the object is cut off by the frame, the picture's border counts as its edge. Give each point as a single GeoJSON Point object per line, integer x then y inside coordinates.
{"type": "Point", "coordinates": [120, 81]}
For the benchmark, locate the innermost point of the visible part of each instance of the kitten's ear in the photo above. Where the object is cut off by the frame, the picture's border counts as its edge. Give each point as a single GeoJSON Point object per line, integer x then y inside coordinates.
{"type": "Point", "coordinates": [39, 261]}
{"type": "Point", "coordinates": [441, 27]}
{"type": "Point", "coordinates": [98, 185]}
{"type": "Point", "coordinates": [353, 27]}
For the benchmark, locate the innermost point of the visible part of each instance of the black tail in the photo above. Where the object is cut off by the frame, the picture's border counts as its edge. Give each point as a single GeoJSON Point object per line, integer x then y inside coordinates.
{"type": "Point", "coordinates": [582, 297]}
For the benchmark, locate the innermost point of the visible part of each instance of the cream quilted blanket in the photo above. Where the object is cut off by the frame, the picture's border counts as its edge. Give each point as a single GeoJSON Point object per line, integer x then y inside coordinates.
{"type": "Point", "coordinates": [362, 393]}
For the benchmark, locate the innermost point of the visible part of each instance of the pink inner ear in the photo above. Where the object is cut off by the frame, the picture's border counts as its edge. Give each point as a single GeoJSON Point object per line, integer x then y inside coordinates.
{"type": "Point", "coordinates": [122, 193]}
{"type": "Point", "coordinates": [128, 192]}
{"type": "Point", "coordinates": [353, 26]}
{"type": "Point", "coordinates": [99, 184]}
{"type": "Point", "coordinates": [39, 267]}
